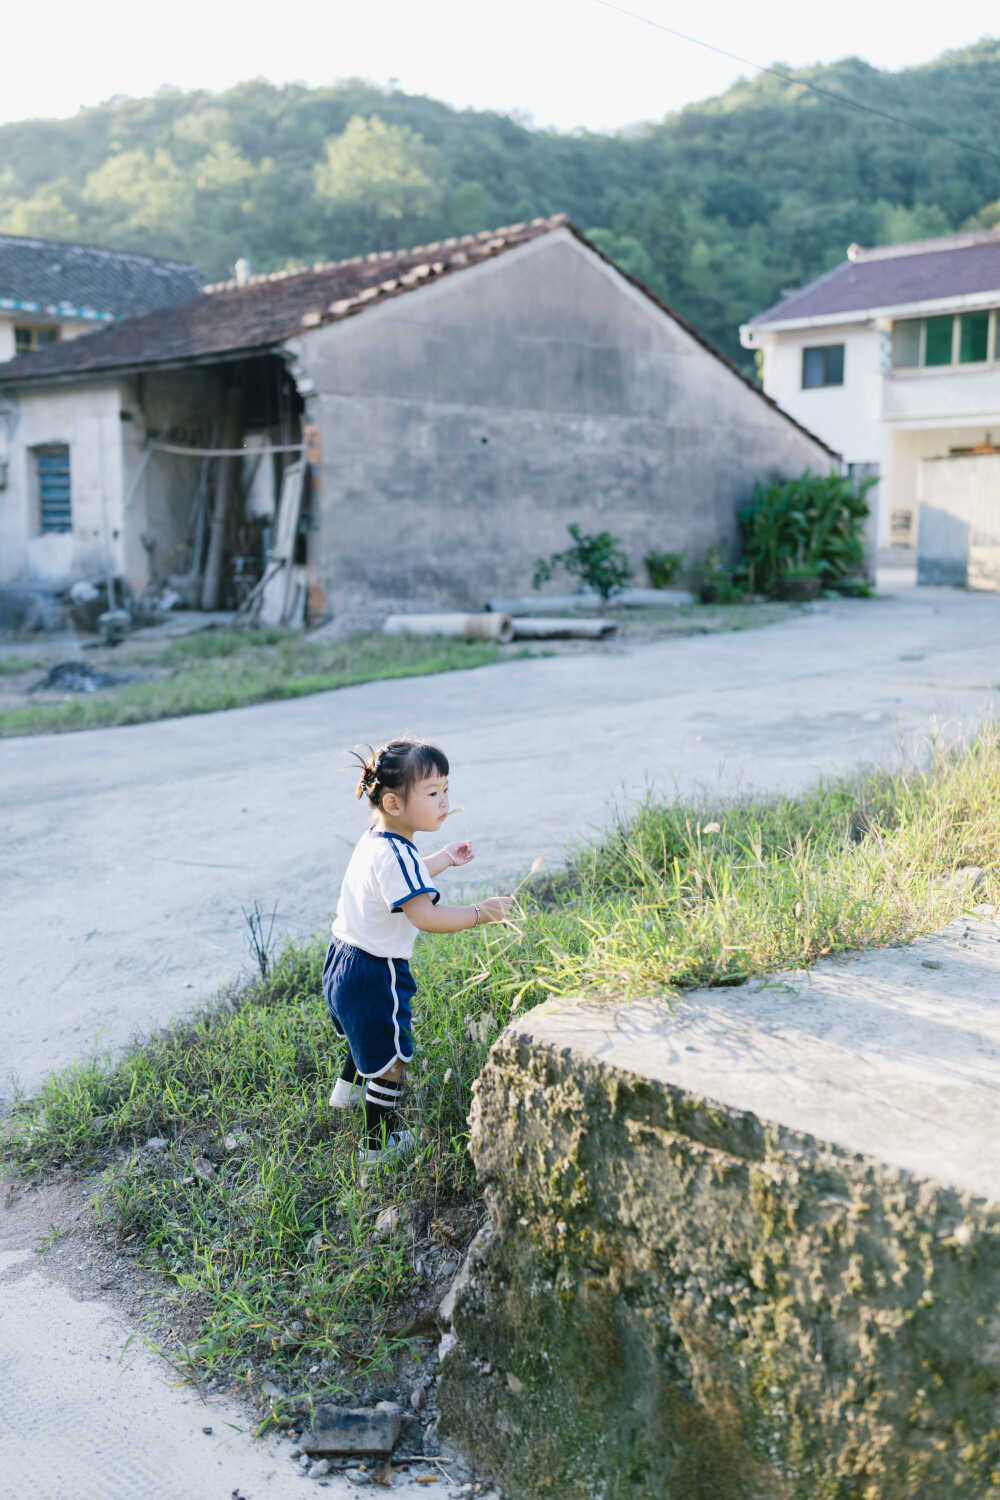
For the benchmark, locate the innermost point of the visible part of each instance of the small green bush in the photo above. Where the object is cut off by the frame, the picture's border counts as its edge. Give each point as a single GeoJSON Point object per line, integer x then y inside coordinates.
{"type": "Point", "coordinates": [807, 527]}
{"type": "Point", "coordinates": [597, 561]}
{"type": "Point", "coordinates": [713, 584]}
{"type": "Point", "coordinates": [663, 568]}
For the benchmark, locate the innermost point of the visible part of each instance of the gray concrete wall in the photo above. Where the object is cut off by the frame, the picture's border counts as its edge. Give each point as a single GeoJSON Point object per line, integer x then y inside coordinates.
{"type": "Point", "coordinates": [466, 424]}
{"type": "Point", "coordinates": [748, 1249]}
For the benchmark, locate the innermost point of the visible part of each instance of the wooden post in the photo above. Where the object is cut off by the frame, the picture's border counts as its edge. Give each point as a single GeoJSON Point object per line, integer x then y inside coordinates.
{"type": "Point", "coordinates": [225, 486]}
{"type": "Point", "coordinates": [317, 606]}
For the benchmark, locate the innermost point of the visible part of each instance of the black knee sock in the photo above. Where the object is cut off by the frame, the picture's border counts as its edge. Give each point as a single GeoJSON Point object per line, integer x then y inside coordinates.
{"type": "Point", "coordinates": [349, 1072]}
{"type": "Point", "coordinates": [381, 1100]}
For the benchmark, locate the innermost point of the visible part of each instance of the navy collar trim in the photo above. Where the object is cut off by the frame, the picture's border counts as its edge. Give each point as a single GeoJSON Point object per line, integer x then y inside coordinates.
{"type": "Point", "coordinates": [383, 833]}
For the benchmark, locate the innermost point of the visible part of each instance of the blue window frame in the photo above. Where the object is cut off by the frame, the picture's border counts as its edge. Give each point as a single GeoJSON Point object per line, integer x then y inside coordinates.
{"type": "Point", "coordinates": [55, 511]}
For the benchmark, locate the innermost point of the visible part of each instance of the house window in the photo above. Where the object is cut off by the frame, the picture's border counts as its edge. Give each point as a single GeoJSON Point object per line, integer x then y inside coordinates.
{"type": "Point", "coordinates": [974, 338]}
{"type": "Point", "coordinates": [53, 488]}
{"type": "Point", "coordinates": [28, 338]}
{"type": "Point", "coordinates": [937, 342]}
{"type": "Point", "coordinates": [823, 365]}
{"type": "Point", "coordinates": [906, 343]}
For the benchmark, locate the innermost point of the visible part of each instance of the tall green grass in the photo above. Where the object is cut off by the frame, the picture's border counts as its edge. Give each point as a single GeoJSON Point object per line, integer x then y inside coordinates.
{"type": "Point", "coordinates": [279, 1230]}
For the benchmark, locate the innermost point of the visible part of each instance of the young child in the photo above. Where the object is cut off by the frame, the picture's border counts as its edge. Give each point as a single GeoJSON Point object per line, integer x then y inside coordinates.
{"type": "Point", "coordinates": [387, 897]}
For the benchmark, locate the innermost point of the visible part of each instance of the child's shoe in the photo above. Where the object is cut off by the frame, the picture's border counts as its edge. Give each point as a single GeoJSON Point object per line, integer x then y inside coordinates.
{"type": "Point", "coordinates": [398, 1143]}
{"type": "Point", "coordinates": [345, 1094]}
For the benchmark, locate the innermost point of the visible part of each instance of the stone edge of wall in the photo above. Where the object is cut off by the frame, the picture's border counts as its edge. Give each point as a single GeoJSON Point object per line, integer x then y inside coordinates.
{"type": "Point", "coordinates": [682, 1300]}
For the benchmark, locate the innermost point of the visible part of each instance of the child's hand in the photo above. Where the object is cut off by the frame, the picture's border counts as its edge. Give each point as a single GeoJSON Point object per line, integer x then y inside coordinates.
{"type": "Point", "coordinates": [497, 908]}
{"type": "Point", "coordinates": [460, 854]}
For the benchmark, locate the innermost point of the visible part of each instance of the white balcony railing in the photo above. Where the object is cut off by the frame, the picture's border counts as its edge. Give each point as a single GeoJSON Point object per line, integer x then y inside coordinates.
{"type": "Point", "coordinates": [946, 394]}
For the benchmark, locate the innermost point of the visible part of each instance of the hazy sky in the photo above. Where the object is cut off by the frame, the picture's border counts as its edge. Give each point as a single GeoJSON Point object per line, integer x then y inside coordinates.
{"type": "Point", "coordinates": [563, 62]}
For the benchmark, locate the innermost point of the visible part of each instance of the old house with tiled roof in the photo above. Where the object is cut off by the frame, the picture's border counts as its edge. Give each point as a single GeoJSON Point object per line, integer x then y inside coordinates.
{"type": "Point", "coordinates": [894, 358]}
{"type": "Point", "coordinates": [51, 291]}
{"type": "Point", "coordinates": [450, 408]}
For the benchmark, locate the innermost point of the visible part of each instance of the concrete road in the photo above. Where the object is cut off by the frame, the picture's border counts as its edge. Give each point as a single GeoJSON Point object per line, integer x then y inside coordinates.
{"type": "Point", "coordinates": [128, 853]}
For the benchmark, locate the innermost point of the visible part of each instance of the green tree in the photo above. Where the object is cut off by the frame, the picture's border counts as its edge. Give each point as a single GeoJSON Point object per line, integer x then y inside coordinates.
{"type": "Point", "coordinates": [625, 251]}
{"type": "Point", "coordinates": [51, 213]}
{"type": "Point", "coordinates": [144, 199]}
{"type": "Point", "coordinates": [380, 175]}
{"type": "Point", "coordinates": [467, 208]}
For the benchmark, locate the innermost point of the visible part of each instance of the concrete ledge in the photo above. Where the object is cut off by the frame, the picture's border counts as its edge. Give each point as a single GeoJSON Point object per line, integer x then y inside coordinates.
{"type": "Point", "coordinates": [748, 1250]}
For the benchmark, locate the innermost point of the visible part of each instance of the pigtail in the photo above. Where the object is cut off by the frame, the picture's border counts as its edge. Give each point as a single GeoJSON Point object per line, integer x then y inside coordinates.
{"type": "Point", "coordinates": [395, 767]}
{"type": "Point", "coordinates": [370, 764]}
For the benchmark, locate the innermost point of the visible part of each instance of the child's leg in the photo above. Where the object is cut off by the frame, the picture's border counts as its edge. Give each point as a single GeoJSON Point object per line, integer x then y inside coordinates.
{"type": "Point", "coordinates": [382, 1095]}
{"type": "Point", "coordinates": [347, 1089]}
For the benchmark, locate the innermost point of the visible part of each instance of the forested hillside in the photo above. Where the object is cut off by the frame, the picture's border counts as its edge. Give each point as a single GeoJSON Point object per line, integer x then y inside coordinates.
{"type": "Point", "coordinates": [719, 207]}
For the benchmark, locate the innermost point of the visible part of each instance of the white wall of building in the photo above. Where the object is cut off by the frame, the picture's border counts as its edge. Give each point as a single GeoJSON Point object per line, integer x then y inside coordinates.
{"type": "Point", "coordinates": [848, 416]}
{"type": "Point", "coordinates": [87, 418]}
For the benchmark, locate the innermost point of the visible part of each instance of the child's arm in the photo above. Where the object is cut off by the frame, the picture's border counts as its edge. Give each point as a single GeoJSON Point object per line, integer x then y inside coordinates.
{"type": "Point", "coordinates": [430, 918]}
{"type": "Point", "coordinates": [450, 855]}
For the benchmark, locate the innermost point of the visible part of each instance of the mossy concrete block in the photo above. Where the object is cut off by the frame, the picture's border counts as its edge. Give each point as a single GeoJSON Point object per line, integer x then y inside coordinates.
{"type": "Point", "coordinates": [689, 1299]}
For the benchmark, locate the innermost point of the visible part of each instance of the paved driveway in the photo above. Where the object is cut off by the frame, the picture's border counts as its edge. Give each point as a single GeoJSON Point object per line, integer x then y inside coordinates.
{"type": "Point", "coordinates": [128, 853]}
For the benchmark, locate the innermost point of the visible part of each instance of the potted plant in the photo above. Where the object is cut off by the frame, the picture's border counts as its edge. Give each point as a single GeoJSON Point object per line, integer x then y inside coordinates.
{"type": "Point", "coordinates": [800, 584]}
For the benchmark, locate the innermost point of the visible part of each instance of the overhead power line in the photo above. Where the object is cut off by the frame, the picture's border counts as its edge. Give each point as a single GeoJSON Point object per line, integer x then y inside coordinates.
{"type": "Point", "coordinates": [813, 88]}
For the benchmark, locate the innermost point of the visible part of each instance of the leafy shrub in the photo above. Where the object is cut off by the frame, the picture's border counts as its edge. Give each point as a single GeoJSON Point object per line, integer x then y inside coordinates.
{"type": "Point", "coordinates": [713, 584]}
{"type": "Point", "coordinates": [597, 561]}
{"type": "Point", "coordinates": [663, 568]}
{"type": "Point", "coordinates": [812, 526]}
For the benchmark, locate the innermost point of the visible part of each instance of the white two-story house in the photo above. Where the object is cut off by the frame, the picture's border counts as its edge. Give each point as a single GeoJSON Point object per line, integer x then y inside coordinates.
{"type": "Point", "coordinates": [893, 358]}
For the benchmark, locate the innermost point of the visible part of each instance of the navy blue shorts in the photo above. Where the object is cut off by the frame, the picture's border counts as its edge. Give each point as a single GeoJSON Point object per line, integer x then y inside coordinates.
{"type": "Point", "coordinates": [369, 1003]}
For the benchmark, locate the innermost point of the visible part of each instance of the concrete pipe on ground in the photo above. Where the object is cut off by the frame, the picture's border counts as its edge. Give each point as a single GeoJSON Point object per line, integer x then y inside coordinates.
{"type": "Point", "coordinates": [559, 630]}
{"type": "Point", "coordinates": [485, 627]}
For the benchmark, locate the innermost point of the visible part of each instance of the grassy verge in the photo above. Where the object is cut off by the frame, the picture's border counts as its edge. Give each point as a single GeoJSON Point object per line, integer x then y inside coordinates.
{"type": "Point", "coordinates": [220, 669]}
{"type": "Point", "coordinates": [255, 1209]}
{"type": "Point", "coordinates": [227, 669]}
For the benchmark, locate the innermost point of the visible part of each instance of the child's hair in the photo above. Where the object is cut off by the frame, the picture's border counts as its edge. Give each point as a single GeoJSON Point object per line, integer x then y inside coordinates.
{"type": "Point", "coordinates": [396, 767]}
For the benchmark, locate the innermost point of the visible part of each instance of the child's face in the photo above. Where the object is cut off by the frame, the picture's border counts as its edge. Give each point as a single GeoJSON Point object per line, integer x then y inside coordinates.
{"type": "Point", "coordinates": [426, 808]}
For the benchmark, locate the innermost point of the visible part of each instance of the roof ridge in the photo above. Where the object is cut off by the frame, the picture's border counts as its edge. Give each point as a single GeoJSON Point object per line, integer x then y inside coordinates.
{"type": "Point", "coordinates": [944, 242]}
{"type": "Point", "coordinates": [35, 242]}
{"type": "Point", "coordinates": [386, 257]}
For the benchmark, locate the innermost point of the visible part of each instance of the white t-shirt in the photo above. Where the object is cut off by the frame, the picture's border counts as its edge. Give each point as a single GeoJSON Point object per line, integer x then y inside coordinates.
{"type": "Point", "coordinates": [385, 871]}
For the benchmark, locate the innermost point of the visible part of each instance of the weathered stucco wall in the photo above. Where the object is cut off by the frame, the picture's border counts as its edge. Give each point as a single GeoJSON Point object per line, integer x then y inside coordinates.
{"type": "Point", "coordinates": [684, 1300]}
{"type": "Point", "coordinates": [466, 425]}
{"type": "Point", "coordinates": [86, 418]}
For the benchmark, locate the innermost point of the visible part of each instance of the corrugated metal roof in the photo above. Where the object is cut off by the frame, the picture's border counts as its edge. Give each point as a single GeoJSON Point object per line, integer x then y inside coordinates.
{"type": "Point", "coordinates": [890, 276]}
{"type": "Point", "coordinates": [85, 281]}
